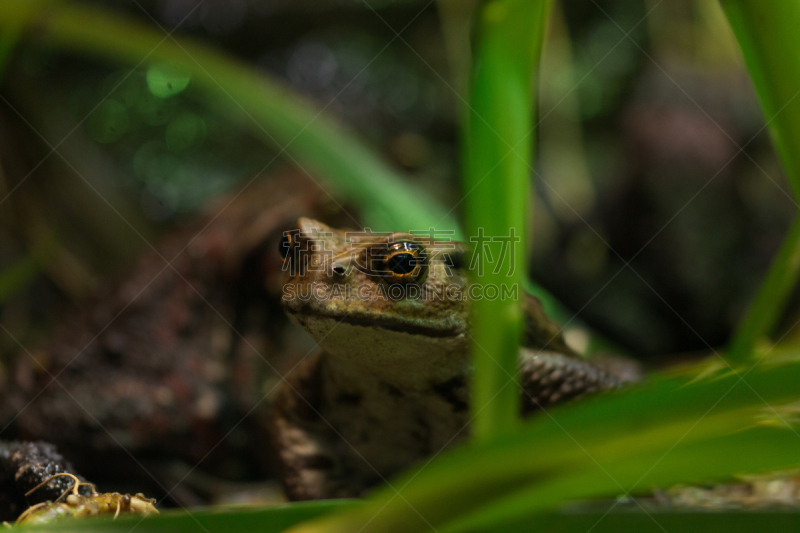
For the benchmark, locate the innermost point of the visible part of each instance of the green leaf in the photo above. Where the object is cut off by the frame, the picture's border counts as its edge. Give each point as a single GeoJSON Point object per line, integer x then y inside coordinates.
{"type": "Point", "coordinates": [657, 521]}
{"type": "Point", "coordinates": [767, 34]}
{"type": "Point", "coordinates": [766, 308]}
{"type": "Point", "coordinates": [496, 155]}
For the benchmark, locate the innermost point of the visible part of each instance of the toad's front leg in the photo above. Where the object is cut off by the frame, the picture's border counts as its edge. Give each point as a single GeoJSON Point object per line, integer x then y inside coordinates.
{"type": "Point", "coordinates": [307, 450]}
{"type": "Point", "coordinates": [549, 378]}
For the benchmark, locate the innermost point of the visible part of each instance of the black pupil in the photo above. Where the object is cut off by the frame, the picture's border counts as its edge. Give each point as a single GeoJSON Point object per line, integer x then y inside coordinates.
{"type": "Point", "coordinates": [402, 263]}
{"type": "Point", "coordinates": [285, 246]}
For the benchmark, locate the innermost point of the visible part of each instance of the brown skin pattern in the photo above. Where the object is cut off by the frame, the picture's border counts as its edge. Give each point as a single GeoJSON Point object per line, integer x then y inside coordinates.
{"type": "Point", "coordinates": [390, 387]}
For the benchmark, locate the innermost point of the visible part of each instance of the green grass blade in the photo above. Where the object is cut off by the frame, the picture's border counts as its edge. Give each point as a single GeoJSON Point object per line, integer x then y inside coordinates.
{"type": "Point", "coordinates": [768, 37]}
{"type": "Point", "coordinates": [767, 34]}
{"type": "Point", "coordinates": [769, 302]}
{"type": "Point", "coordinates": [670, 430]}
{"type": "Point", "coordinates": [616, 477]}
{"type": "Point", "coordinates": [496, 157]}
{"type": "Point", "coordinates": [637, 521]}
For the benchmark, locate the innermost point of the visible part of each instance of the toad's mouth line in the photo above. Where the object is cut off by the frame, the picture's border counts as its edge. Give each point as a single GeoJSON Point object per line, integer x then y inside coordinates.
{"type": "Point", "coordinates": [402, 327]}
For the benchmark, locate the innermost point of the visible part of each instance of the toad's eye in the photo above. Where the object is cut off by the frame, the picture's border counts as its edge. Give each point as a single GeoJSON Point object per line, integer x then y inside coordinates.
{"type": "Point", "coordinates": [404, 262]}
{"type": "Point", "coordinates": [288, 243]}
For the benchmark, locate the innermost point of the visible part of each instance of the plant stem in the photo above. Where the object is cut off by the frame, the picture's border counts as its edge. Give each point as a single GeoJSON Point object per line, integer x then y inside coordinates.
{"type": "Point", "coordinates": [768, 35]}
{"type": "Point", "coordinates": [496, 158]}
{"type": "Point", "coordinates": [770, 300]}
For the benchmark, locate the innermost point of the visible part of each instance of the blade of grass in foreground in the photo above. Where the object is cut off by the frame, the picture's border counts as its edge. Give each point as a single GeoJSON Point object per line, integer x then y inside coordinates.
{"type": "Point", "coordinates": [768, 35]}
{"type": "Point", "coordinates": [668, 431]}
{"type": "Point", "coordinates": [496, 176]}
{"type": "Point", "coordinates": [770, 300]}
{"type": "Point", "coordinates": [637, 521]}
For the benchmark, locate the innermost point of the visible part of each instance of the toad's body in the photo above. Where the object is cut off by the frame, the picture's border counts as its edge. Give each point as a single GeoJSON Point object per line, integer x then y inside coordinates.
{"type": "Point", "coordinates": [390, 387]}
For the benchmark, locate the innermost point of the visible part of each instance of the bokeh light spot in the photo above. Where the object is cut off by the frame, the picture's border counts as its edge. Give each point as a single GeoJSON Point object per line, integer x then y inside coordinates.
{"type": "Point", "coordinates": [165, 81]}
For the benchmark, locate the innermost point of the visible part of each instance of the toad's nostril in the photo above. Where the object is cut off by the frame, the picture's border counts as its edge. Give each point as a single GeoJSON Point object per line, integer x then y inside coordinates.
{"type": "Point", "coordinates": [339, 270]}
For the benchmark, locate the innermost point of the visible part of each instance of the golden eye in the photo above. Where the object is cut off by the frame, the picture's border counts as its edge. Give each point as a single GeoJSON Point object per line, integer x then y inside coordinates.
{"type": "Point", "coordinates": [404, 262]}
